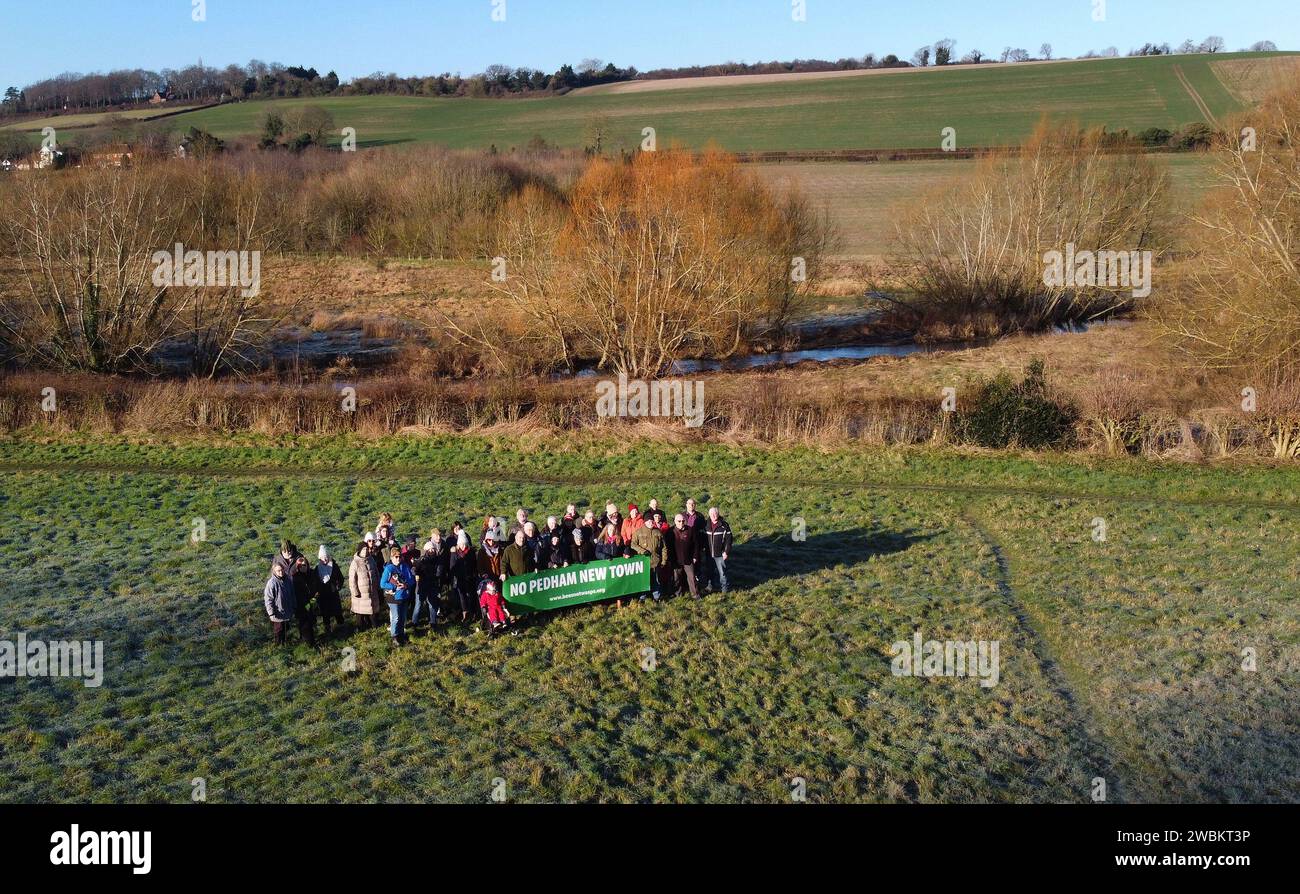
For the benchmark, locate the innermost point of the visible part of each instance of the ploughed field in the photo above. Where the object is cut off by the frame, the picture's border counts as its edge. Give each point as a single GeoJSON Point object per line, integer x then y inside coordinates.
{"type": "Point", "coordinates": [1119, 658]}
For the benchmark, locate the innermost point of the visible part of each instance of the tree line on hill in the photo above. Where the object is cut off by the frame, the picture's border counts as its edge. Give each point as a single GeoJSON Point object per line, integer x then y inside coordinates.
{"type": "Point", "coordinates": [260, 80]}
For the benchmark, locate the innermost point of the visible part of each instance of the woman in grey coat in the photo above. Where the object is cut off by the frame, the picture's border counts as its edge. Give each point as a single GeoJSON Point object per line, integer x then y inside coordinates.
{"type": "Point", "coordinates": [278, 599]}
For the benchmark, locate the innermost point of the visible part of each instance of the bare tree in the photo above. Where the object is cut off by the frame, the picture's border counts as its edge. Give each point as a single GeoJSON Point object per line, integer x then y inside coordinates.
{"type": "Point", "coordinates": [83, 243]}
{"type": "Point", "coordinates": [979, 247]}
{"type": "Point", "coordinates": [1240, 310]}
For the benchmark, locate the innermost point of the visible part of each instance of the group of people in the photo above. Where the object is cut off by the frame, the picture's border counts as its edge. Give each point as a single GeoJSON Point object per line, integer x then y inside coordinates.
{"type": "Point", "coordinates": [453, 573]}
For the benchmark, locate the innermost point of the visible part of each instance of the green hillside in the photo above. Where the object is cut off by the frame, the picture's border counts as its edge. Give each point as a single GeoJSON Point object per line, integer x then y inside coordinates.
{"type": "Point", "coordinates": [993, 105]}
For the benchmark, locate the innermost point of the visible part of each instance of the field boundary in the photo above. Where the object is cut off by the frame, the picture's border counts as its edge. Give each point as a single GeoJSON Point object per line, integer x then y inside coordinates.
{"type": "Point", "coordinates": [390, 471]}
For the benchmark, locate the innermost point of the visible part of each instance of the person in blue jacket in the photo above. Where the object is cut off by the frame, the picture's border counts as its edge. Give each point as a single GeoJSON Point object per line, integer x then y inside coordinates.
{"type": "Point", "coordinates": [398, 584]}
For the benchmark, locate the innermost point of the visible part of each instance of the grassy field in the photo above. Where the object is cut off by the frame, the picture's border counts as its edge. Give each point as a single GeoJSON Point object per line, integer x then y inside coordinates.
{"type": "Point", "coordinates": [89, 119]}
{"type": "Point", "coordinates": [1119, 659]}
{"type": "Point", "coordinates": [993, 105]}
{"type": "Point", "coordinates": [865, 200]}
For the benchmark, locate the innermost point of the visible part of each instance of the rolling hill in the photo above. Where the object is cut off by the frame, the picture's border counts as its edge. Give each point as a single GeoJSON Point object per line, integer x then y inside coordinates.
{"type": "Point", "coordinates": [988, 105]}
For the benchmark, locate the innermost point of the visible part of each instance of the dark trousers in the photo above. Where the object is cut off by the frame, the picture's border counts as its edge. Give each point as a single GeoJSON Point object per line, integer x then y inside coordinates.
{"type": "Point", "coordinates": [278, 631]}
{"type": "Point", "coordinates": [686, 573]}
{"type": "Point", "coordinates": [307, 627]}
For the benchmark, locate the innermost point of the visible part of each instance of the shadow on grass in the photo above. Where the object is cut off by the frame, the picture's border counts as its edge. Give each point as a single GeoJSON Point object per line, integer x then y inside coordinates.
{"type": "Point", "coordinates": [764, 559]}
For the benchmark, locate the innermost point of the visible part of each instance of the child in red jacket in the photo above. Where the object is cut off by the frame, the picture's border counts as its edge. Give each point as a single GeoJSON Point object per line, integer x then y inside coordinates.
{"type": "Point", "coordinates": [493, 605]}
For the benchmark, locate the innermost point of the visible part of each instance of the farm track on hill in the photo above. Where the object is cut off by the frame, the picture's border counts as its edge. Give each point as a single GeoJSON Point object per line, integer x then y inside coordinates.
{"type": "Point", "coordinates": [1196, 97]}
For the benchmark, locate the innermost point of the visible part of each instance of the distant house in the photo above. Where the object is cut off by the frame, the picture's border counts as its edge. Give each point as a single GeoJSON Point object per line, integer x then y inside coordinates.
{"type": "Point", "coordinates": [111, 156]}
{"type": "Point", "coordinates": [159, 98]}
{"type": "Point", "coordinates": [48, 157]}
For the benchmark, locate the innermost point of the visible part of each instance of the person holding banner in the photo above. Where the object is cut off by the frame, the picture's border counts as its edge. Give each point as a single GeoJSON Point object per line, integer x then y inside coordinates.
{"type": "Point", "coordinates": [648, 540]}
{"type": "Point", "coordinates": [584, 551]}
{"type": "Point", "coordinates": [517, 559]}
{"type": "Point", "coordinates": [660, 521]}
{"type": "Point", "coordinates": [685, 555]}
{"type": "Point", "coordinates": [609, 545]}
{"type": "Point", "coordinates": [557, 553]}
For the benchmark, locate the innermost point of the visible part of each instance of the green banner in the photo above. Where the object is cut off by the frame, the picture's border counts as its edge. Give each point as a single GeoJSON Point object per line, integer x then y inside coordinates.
{"type": "Point", "coordinates": [576, 584]}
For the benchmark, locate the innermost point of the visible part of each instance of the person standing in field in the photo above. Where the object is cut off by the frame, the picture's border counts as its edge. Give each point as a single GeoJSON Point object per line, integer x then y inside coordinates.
{"type": "Point", "coordinates": [665, 571]}
{"type": "Point", "coordinates": [462, 569]}
{"type": "Point", "coordinates": [631, 524]}
{"type": "Point", "coordinates": [489, 557]}
{"type": "Point", "coordinates": [584, 551]}
{"type": "Point", "coordinates": [286, 558]}
{"type": "Point", "coordinates": [277, 597]}
{"type": "Point", "coordinates": [375, 555]}
{"type": "Point", "coordinates": [428, 582]}
{"type": "Point", "coordinates": [648, 540]}
{"type": "Point", "coordinates": [398, 584]}
{"type": "Point", "coordinates": [521, 519]}
{"type": "Point", "coordinates": [557, 555]}
{"type": "Point", "coordinates": [329, 586]}
{"type": "Point", "coordinates": [609, 545]}
{"type": "Point", "coordinates": [545, 538]}
{"type": "Point", "coordinates": [534, 545]}
{"type": "Point", "coordinates": [364, 585]}
{"type": "Point", "coordinates": [695, 522]}
{"type": "Point", "coordinates": [386, 531]}
{"type": "Point", "coordinates": [590, 530]}
{"type": "Point", "coordinates": [685, 553]}
{"type": "Point", "coordinates": [517, 559]}
{"type": "Point", "coordinates": [304, 591]}
{"type": "Point", "coordinates": [717, 535]}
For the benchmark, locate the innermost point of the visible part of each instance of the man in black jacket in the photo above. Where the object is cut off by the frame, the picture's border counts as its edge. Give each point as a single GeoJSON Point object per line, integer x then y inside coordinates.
{"type": "Point", "coordinates": [717, 536]}
{"type": "Point", "coordinates": [684, 552]}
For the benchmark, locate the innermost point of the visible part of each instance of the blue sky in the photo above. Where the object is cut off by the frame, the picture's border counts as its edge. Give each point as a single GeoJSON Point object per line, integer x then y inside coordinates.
{"type": "Point", "coordinates": [413, 37]}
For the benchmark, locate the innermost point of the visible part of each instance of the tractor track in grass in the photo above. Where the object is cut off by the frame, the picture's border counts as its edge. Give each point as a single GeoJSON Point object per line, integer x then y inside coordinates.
{"type": "Point", "coordinates": [1196, 97]}
{"type": "Point", "coordinates": [1095, 742]}
{"type": "Point", "coordinates": [398, 472]}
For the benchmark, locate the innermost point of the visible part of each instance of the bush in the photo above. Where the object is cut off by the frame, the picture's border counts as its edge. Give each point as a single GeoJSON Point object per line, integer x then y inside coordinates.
{"type": "Point", "coordinates": [1195, 136]}
{"type": "Point", "coordinates": [1155, 136]}
{"type": "Point", "coordinates": [1005, 413]}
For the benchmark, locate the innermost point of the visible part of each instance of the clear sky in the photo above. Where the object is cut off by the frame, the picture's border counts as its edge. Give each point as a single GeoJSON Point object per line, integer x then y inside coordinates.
{"type": "Point", "coordinates": [40, 38]}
